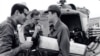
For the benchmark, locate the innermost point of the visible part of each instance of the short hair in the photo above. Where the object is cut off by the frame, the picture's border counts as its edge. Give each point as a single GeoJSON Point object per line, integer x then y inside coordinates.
{"type": "Point", "coordinates": [73, 6]}
{"type": "Point", "coordinates": [35, 12]}
{"type": "Point", "coordinates": [19, 7]}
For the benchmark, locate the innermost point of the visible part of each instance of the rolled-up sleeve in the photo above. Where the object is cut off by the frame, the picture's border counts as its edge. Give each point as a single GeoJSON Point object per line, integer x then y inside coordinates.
{"type": "Point", "coordinates": [6, 37]}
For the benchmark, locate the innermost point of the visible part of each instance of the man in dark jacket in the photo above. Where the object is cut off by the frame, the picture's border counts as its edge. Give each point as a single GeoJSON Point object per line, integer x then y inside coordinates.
{"type": "Point", "coordinates": [59, 30]}
{"type": "Point", "coordinates": [29, 28]}
{"type": "Point", "coordinates": [8, 46]}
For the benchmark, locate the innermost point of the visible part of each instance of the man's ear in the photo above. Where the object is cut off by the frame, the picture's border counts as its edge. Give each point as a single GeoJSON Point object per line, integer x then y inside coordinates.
{"type": "Point", "coordinates": [17, 12]}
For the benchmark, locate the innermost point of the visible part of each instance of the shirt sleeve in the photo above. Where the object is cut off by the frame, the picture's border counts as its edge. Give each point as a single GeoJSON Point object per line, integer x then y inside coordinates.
{"type": "Point", "coordinates": [64, 42]}
{"type": "Point", "coordinates": [6, 37]}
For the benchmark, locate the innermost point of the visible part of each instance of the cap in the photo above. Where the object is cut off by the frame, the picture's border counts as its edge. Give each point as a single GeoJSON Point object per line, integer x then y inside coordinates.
{"type": "Point", "coordinates": [55, 8]}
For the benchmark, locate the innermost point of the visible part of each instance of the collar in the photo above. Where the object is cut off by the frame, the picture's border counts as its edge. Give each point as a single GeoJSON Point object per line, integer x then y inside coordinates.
{"type": "Point", "coordinates": [12, 22]}
{"type": "Point", "coordinates": [57, 25]}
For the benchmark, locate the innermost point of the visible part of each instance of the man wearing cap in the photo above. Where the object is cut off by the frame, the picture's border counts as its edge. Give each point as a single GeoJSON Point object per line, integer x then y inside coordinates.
{"type": "Point", "coordinates": [59, 30]}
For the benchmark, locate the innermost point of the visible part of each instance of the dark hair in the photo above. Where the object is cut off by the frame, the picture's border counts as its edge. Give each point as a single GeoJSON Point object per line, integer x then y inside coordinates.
{"type": "Point", "coordinates": [35, 12]}
{"type": "Point", "coordinates": [73, 6]}
{"type": "Point", "coordinates": [19, 7]}
{"type": "Point", "coordinates": [58, 12]}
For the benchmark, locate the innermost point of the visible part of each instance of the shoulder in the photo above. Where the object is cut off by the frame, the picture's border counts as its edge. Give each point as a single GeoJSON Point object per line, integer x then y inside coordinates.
{"type": "Point", "coordinates": [6, 27]}
{"type": "Point", "coordinates": [64, 26]}
{"type": "Point", "coordinates": [5, 24]}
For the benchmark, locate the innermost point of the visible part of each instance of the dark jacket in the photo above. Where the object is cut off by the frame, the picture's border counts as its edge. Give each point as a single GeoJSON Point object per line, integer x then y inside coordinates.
{"type": "Point", "coordinates": [61, 32]}
{"type": "Point", "coordinates": [8, 41]}
{"type": "Point", "coordinates": [29, 30]}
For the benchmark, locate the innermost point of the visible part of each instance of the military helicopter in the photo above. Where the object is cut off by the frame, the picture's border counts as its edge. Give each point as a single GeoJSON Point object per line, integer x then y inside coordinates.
{"type": "Point", "coordinates": [75, 18]}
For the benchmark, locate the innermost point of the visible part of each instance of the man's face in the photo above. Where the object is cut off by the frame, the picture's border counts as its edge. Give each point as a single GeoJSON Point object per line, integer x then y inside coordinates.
{"type": "Point", "coordinates": [35, 19]}
{"type": "Point", "coordinates": [22, 16]}
{"type": "Point", "coordinates": [51, 18]}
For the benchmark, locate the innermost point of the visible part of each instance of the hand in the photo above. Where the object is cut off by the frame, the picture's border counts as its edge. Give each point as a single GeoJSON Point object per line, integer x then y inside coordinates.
{"type": "Point", "coordinates": [26, 45]}
{"type": "Point", "coordinates": [37, 28]}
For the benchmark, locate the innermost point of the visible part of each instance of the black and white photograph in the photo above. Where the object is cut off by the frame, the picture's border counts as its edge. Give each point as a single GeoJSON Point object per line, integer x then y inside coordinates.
{"type": "Point", "coordinates": [49, 28]}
